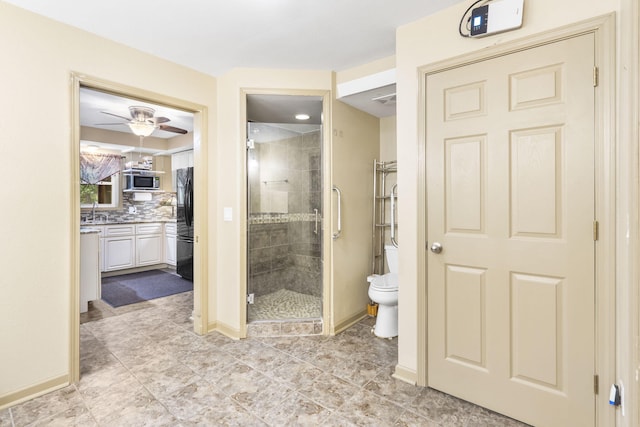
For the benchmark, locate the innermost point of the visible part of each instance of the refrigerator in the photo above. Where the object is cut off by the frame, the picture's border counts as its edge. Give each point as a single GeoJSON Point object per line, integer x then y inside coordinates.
{"type": "Point", "coordinates": [184, 245]}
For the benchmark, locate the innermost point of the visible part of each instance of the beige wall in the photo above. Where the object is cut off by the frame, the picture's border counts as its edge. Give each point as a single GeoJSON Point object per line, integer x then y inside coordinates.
{"type": "Point", "coordinates": [355, 144]}
{"type": "Point", "coordinates": [35, 109]}
{"type": "Point", "coordinates": [231, 254]}
{"type": "Point", "coordinates": [388, 144]}
{"type": "Point", "coordinates": [427, 41]}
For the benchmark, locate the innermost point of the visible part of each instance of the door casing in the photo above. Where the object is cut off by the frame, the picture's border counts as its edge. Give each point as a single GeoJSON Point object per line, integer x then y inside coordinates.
{"type": "Point", "coordinates": [201, 283]}
{"type": "Point", "coordinates": [604, 174]}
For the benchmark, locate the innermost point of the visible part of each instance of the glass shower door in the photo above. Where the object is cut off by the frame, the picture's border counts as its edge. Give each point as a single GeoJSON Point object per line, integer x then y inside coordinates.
{"type": "Point", "coordinates": [284, 241]}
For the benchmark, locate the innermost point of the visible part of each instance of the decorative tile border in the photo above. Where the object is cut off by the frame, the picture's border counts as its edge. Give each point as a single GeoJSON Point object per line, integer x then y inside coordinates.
{"type": "Point", "coordinates": [280, 218]}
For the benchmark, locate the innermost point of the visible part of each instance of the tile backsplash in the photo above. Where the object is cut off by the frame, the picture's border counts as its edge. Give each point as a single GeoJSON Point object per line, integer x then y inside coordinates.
{"type": "Point", "coordinates": [157, 209]}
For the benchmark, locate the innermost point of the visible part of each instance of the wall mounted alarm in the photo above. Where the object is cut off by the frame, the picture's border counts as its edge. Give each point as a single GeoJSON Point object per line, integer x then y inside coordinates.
{"type": "Point", "coordinates": [496, 17]}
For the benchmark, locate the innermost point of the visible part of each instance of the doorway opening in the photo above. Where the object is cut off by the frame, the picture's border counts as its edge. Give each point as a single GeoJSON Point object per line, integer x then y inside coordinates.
{"type": "Point", "coordinates": [284, 209]}
{"type": "Point", "coordinates": [137, 226]}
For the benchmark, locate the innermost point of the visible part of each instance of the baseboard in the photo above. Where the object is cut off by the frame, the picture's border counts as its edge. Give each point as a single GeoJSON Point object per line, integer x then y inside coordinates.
{"type": "Point", "coordinates": [344, 325]}
{"type": "Point", "coordinates": [135, 270]}
{"type": "Point", "coordinates": [225, 330]}
{"type": "Point", "coordinates": [405, 374]}
{"type": "Point", "coordinates": [29, 393]}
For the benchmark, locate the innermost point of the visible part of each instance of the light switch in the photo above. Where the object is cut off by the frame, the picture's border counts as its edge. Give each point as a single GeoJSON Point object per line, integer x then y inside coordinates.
{"type": "Point", "coordinates": [228, 214]}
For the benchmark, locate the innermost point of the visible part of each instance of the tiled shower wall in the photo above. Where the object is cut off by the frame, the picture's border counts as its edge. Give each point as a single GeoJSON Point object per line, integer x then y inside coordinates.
{"type": "Point", "coordinates": [284, 253]}
{"type": "Point", "coordinates": [286, 187]}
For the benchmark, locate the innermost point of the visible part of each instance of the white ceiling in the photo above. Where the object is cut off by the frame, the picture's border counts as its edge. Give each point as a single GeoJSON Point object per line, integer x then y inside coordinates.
{"type": "Point", "coordinates": [214, 36]}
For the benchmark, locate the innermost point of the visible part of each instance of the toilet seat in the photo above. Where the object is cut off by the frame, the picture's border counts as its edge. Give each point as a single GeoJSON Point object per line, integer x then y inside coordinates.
{"type": "Point", "coordinates": [385, 283]}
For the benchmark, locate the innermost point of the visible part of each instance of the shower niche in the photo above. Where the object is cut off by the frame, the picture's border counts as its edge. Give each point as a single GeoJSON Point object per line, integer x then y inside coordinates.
{"type": "Point", "coordinates": [284, 209]}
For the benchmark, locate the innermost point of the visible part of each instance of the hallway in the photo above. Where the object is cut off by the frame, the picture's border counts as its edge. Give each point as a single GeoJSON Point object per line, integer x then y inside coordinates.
{"type": "Point", "coordinates": [144, 366]}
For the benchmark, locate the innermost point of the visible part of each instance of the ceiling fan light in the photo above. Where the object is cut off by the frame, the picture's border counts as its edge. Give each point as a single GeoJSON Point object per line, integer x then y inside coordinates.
{"type": "Point", "coordinates": [302, 116]}
{"type": "Point", "coordinates": [142, 129]}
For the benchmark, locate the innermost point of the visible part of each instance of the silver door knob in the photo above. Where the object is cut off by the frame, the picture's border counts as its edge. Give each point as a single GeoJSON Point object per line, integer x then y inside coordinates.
{"type": "Point", "coordinates": [436, 248]}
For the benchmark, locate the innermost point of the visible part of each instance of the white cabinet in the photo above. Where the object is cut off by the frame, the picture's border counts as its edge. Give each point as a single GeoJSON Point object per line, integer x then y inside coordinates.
{"type": "Point", "coordinates": [134, 245]}
{"type": "Point", "coordinates": [90, 281]}
{"type": "Point", "coordinates": [170, 242]}
{"type": "Point", "coordinates": [119, 247]}
{"type": "Point", "coordinates": [119, 252]}
{"type": "Point", "coordinates": [148, 244]}
{"type": "Point", "coordinates": [181, 160]}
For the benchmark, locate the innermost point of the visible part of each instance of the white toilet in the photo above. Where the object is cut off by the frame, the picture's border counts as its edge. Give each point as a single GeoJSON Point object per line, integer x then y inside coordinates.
{"type": "Point", "coordinates": [383, 289]}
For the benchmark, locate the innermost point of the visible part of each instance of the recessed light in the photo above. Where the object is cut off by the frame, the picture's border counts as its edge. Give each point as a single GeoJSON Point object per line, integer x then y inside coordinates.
{"type": "Point", "coordinates": [302, 116]}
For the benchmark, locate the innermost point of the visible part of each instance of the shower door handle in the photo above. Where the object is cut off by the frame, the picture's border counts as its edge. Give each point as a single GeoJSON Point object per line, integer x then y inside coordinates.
{"type": "Point", "coordinates": [337, 233]}
{"type": "Point", "coordinates": [315, 228]}
{"type": "Point", "coordinates": [392, 208]}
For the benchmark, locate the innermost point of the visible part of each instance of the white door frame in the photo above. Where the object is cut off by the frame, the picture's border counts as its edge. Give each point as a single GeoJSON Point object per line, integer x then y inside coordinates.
{"type": "Point", "coordinates": [603, 29]}
{"type": "Point", "coordinates": [200, 283]}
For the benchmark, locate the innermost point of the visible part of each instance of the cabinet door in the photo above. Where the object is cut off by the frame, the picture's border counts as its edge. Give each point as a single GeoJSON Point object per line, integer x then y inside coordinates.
{"type": "Point", "coordinates": [148, 249]}
{"type": "Point", "coordinates": [119, 253]}
{"type": "Point", "coordinates": [170, 250]}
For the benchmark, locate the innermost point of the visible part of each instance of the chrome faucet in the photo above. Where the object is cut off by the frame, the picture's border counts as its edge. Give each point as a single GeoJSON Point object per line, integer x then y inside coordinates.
{"type": "Point", "coordinates": [93, 211]}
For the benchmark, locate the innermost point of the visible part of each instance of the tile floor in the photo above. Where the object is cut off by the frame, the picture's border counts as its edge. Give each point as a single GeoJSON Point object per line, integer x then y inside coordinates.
{"type": "Point", "coordinates": [143, 366]}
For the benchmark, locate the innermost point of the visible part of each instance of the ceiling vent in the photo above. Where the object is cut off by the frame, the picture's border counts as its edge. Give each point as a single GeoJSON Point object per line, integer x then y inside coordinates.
{"type": "Point", "coordinates": [389, 99]}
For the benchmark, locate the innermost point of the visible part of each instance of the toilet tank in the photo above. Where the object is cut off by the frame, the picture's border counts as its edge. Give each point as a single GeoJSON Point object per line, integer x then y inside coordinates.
{"type": "Point", "coordinates": [391, 253]}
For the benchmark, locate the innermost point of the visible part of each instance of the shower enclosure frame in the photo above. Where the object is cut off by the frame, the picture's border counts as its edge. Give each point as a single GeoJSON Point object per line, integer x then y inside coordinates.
{"type": "Point", "coordinates": [325, 196]}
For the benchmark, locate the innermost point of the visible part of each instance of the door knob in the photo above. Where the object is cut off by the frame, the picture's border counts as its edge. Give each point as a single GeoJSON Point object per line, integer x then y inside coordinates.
{"type": "Point", "coordinates": [436, 248]}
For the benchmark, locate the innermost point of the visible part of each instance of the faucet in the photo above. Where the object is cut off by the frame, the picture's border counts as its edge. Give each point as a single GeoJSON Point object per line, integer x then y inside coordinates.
{"type": "Point", "coordinates": [93, 211]}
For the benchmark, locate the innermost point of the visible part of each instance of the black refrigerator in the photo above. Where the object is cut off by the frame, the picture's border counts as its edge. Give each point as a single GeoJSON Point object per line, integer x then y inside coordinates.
{"type": "Point", "coordinates": [184, 249]}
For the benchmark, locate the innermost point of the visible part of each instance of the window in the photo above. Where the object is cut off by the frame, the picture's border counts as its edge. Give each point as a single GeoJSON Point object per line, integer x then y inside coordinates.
{"type": "Point", "coordinates": [105, 193]}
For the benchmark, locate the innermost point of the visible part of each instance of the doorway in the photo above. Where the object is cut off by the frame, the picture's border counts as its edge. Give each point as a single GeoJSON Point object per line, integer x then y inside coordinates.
{"type": "Point", "coordinates": [199, 320]}
{"type": "Point", "coordinates": [284, 209]}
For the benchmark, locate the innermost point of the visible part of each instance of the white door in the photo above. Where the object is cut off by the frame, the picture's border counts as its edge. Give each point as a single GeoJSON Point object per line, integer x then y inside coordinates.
{"type": "Point", "coordinates": [510, 183]}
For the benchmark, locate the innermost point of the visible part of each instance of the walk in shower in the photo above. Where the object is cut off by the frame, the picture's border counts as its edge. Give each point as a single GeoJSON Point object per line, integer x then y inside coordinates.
{"type": "Point", "coordinates": [284, 200]}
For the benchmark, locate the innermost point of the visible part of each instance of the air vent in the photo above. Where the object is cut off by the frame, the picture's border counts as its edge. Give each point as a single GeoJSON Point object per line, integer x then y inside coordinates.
{"type": "Point", "coordinates": [389, 99]}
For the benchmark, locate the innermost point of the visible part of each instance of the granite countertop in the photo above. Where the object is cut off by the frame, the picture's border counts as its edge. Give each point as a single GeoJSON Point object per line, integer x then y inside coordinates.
{"type": "Point", "coordinates": [132, 221]}
{"type": "Point", "coordinates": [88, 230]}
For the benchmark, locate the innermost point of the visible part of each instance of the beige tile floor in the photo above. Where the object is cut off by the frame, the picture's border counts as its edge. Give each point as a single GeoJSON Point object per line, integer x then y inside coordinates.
{"type": "Point", "coordinates": [143, 366]}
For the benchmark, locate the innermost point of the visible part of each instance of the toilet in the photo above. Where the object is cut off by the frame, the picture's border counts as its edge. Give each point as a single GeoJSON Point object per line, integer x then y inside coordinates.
{"type": "Point", "coordinates": [383, 289]}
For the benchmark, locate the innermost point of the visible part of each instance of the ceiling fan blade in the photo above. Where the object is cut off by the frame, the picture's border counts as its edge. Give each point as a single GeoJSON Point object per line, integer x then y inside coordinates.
{"type": "Point", "coordinates": [172, 129]}
{"type": "Point", "coordinates": [116, 115]}
{"type": "Point", "coordinates": [159, 120]}
{"type": "Point", "coordinates": [108, 124]}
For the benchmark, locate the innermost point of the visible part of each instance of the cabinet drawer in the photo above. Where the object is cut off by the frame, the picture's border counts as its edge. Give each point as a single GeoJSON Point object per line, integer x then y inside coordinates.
{"type": "Point", "coordinates": [171, 228]}
{"type": "Point", "coordinates": [154, 228]}
{"type": "Point", "coordinates": [119, 230]}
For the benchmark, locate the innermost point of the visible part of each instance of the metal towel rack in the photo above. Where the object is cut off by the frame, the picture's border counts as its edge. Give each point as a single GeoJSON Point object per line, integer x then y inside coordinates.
{"type": "Point", "coordinates": [385, 202]}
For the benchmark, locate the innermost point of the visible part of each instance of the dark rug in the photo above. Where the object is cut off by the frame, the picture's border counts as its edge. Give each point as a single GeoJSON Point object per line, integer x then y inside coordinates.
{"type": "Point", "coordinates": [137, 287]}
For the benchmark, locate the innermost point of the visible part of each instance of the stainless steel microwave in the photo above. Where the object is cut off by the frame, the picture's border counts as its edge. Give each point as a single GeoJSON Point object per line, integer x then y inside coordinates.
{"type": "Point", "coordinates": [142, 182]}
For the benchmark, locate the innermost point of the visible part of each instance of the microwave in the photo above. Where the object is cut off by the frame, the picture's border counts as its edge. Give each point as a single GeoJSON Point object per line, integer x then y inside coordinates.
{"type": "Point", "coordinates": [142, 182]}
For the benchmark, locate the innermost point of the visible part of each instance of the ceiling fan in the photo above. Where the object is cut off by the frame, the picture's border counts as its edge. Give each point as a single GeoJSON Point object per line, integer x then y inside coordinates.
{"type": "Point", "coordinates": [143, 122]}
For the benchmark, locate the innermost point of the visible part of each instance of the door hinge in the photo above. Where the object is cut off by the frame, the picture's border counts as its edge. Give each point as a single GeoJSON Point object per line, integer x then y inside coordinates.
{"type": "Point", "coordinates": [250, 144]}
{"type": "Point", "coordinates": [250, 298]}
{"type": "Point", "coordinates": [596, 230]}
{"type": "Point", "coordinates": [596, 384]}
{"type": "Point", "coordinates": [595, 76]}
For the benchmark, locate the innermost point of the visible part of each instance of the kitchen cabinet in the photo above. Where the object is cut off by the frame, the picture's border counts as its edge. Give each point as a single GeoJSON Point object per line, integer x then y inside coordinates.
{"type": "Point", "coordinates": [119, 252]}
{"type": "Point", "coordinates": [90, 281]}
{"type": "Point", "coordinates": [135, 245]}
{"type": "Point", "coordinates": [162, 164]}
{"type": "Point", "coordinates": [119, 247]}
{"type": "Point", "coordinates": [170, 242]}
{"type": "Point", "coordinates": [149, 244]}
{"type": "Point", "coordinates": [181, 160]}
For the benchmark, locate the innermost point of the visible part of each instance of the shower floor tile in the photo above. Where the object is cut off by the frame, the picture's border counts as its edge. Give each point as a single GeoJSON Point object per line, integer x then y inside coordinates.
{"type": "Point", "coordinates": [285, 304]}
